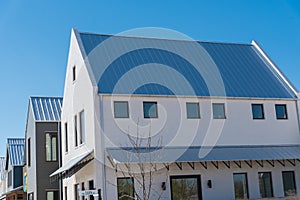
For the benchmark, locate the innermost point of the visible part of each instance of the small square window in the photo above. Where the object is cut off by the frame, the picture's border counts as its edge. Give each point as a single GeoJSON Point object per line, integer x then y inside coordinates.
{"type": "Point", "coordinates": [192, 110]}
{"type": "Point", "coordinates": [281, 112]}
{"type": "Point", "coordinates": [121, 109]}
{"type": "Point", "coordinates": [150, 109]}
{"type": "Point", "coordinates": [258, 111]}
{"type": "Point", "coordinates": [218, 111]}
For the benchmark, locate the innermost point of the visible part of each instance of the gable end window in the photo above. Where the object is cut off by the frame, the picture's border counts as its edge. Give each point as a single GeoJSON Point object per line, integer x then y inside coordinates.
{"type": "Point", "coordinates": [192, 110]}
{"type": "Point", "coordinates": [121, 109]}
{"type": "Point", "coordinates": [257, 111]}
{"type": "Point", "coordinates": [218, 111]}
{"type": "Point", "coordinates": [75, 131]}
{"type": "Point", "coordinates": [281, 112]}
{"type": "Point", "coordinates": [150, 109]}
{"type": "Point", "coordinates": [74, 73]}
{"type": "Point", "coordinates": [82, 127]}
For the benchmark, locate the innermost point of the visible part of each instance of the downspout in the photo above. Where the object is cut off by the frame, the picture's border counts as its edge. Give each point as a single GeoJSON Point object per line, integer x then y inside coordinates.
{"type": "Point", "coordinates": [102, 149]}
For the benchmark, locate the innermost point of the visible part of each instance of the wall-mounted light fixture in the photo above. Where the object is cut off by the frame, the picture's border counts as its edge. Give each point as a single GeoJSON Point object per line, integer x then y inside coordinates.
{"type": "Point", "coordinates": [209, 184]}
{"type": "Point", "coordinates": [163, 185]}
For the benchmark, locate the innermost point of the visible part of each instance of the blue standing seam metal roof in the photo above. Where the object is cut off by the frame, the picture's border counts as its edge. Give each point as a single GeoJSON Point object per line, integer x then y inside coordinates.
{"type": "Point", "coordinates": [243, 70]}
{"type": "Point", "coordinates": [46, 108]}
{"type": "Point", "coordinates": [192, 154]}
{"type": "Point", "coordinates": [15, 151]}
{"type": "Point", "coordinates": [2, 168]}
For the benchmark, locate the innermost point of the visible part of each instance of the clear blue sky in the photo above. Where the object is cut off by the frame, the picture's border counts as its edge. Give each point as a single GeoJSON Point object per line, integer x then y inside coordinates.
{"type": "Point", "coordinates": [34, 38]}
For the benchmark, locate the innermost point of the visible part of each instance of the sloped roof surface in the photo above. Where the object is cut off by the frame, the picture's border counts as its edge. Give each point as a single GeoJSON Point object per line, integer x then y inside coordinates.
{"type": "Point", "coordinates": [15, 151]}
{"type": "Point", "coordinates": [2, 168]}
{"type": "Point", "coordinates": [46, 108]}
{"type": "Point", "coordinates": [133, 65]}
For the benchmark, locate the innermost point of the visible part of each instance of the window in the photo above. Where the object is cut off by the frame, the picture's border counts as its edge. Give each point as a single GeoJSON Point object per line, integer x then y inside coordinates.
{"type": "Point", "coordinates": [265, 184]}
{"type": "Point", "coordinates": [82, 127]}
{"type": "Point", "coordinates": [185, 187]}
{"type": "Point", "coordinates": [75, 131]}
{"type": "Point", "coordinates": [51, 147]}
{"type": "Point", "coordinates": [240, 186]}
{"type": "Point", "coordinates": [91, 187]}
{"type": "Point", "coordinates": [30, 196]}
{"type": "Point", "coordinates": [29, 152]}
{"type": "Point", "coordinates": [66, 137]}
{"type": "Point", "coordinates": [82, 189]}
{"type": "Point", "coordinates": [289, 184]}
{"type": "Point", "coordinates": [218, 111]}
{"type": "Point", "coordinates": [66, 192]}
{"type": "Point", "coordinates": [150, 109]}
{"type": "Point", "coordinates": [76, 191]}
{"type": "Point", "coordinates": [192, 110]}
{"type": "Point", "coordinates": [74, 73]}
{"type": "Point", "coordinates": [125, 188]}
{"type": "Point", "coordinates": [281, 112]}
{"type": "Point", "coordinates": [121, 109]}
{"type": "Point", "coordinates": [52, 195]}
{"type": "Point", "coordinates": [9, 179]}
{"type": "Point", "coordinates": [258, 111]}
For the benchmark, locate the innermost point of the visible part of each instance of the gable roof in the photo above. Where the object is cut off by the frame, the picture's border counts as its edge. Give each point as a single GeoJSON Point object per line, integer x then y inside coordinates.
{"type": "Point", "coordinates": [14, 152]}
{"type": "Point", "coordinates": [2, 168]}
{"type": "Point", "coordinates": [150, 66]}
{"type": "Point", "coordinates": [46, 108]}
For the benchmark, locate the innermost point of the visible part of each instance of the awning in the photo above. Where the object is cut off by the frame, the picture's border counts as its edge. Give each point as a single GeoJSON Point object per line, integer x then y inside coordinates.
{"type": "Point", "coordinates": [201, 154]}
{"type": "Point", "coordinates": [72, 166]}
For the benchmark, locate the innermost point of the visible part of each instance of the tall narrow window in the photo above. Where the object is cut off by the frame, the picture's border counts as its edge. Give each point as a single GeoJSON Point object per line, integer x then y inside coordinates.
{"type": "Point", "coordinates": [91, 187]}
{"type": "Point", "coordinates": [75, 131]}
{"type": "Point", "coordinates": [150, 109]}
{"type": "Point", "coordinates": [265, 184]}
{"type": "Point", "coordinates": [125, 188]}
{"type": "Point", "coordinates": [74, 73]}
{"type": "Point", "coordinates": [82, 127]}
{"type": "Point", "coordinates": [29, 152]}
{"type": "Point", "coordinates": [281, 112]}
{"type": "Point", "coordinates": [9, 179]}
{"type": "Point", "coordinates": [76, 192]}
{"type": "Point", "coordinates": [240, 186]}
{"type": "Point", "coordinates": [66, 192]}
{"type": "Point", "coordinates": [121, 109]}
{"type": "Point", "coordinates": [66, 137]}
{"type": "Point", "coordinates": [82, 189]}
{"type": "Point", "coordinates": [185, 187]}
{"type": "Point", "coordinates": [258, 111]}
{"type": "Point", "coordinates": [289, 183]}
{"type": "Point", "coordinates": [51, 147]}
{"type": "Point", "coordinates": [218, 110]}
{"type": "Point", "coordinates": [52, 195]}
{"type": "Point", "coordinates": [30, 196]}
{"type": "Point", "coordinates": [192, 110]}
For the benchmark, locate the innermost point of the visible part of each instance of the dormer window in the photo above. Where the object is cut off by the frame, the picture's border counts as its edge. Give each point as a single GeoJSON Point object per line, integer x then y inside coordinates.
{"type": "Point", "coordinates": [74, 73]}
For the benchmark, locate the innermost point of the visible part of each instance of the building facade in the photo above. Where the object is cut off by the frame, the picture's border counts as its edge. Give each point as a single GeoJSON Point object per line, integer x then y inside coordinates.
{"type": "Point", "coordinates": [42, 147]}
{"type": "Point", "coordinates": [2, 178]}
{"type": "Point", "coordinates": [176, 119]}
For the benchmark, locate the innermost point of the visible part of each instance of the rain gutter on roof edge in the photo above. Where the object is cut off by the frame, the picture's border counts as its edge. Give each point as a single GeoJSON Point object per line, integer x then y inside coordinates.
{"type": "Point", "coordinates": [256, 45]}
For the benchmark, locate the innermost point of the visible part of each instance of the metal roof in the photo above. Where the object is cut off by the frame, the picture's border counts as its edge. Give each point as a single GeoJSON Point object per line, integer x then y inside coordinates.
{"type": "Point", "coordinates": [2, 168]}
{"type": "Point", "coordinates": [46, 108]}
{"type": "Point", "coordinates": [15, 151]}
{"type": "Point", "coordinates": [194, 154]}
{"type": "Point", "coordinates": [133, 65]}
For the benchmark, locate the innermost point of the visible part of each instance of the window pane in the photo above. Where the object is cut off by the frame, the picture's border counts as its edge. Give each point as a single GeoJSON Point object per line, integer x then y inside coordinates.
{"type": "Point", "coordinates": [240, 186]}
{"type": "Point", "coordinates": [54, 148]}
{"type": "Point", "coordinates": [265, 184]}
{"type": "Point", "coordinates": [218, 111]}
{"type": "Point", "coordinates": [66, 137]}
{"type": "Point", "coordinates": [50, 196]}
{"type": "Point", "coordinates": [257, 111]}
{"type": "Point", "coordinates": [150, 109]}
{"type": "Point", "coordinates": [48, 147]}
{"type": "Point", "coordinates": [82, 127]}
{"type": "Point", "coordinates": [186, 187]}
{"type": "Point", "coordinates": [281, 112]}
{"type": "Point", "coordinates": [121, 109]}
{"type": "Point", "coordinates": [125, 188]}
{"type": "Point", "coordinates": [75, 131]}
{"type": "Point", "coordinates": [192, 110]}
{"type": "Point", "coordinates": [289, 184]}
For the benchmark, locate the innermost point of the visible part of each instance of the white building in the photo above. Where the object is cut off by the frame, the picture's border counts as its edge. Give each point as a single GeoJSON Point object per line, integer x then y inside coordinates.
{"type": "Point", "coordinates": [2, 178]}
{"type": "Point", "coordinates": [223, 120]}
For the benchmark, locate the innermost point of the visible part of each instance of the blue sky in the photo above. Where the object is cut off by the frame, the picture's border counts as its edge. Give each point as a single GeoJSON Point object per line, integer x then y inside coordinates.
{"type": "Point", "coordinates": [34, 39]}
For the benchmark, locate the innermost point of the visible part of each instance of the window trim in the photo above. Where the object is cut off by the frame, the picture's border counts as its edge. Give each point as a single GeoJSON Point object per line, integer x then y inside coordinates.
{"type": "Point", "coordinates": [285, 112]}
{"type": "Point", "coordinates": [247, 185]}
{"type": "Point", "coordinates": [262, 109]}
{"type": "Point", "coordinates": [116, 117]}
{"type": "Point", "coordinates": [156, 109]}
{"type": "Point", "coordinates": [56, 134]}
{"type": "Point", "coordinates": [224, 111]}
{"type": "Point", "coordinates": [271, 179]}
{"type": "Point", "coordinates": [198, 110]}
{"type": "Point", "coordinates": [198, 177]}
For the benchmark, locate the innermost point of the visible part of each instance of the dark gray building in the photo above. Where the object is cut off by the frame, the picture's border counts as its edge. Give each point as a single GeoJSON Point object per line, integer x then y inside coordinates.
{"type": "Point", "coordinates": [42, 140]}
